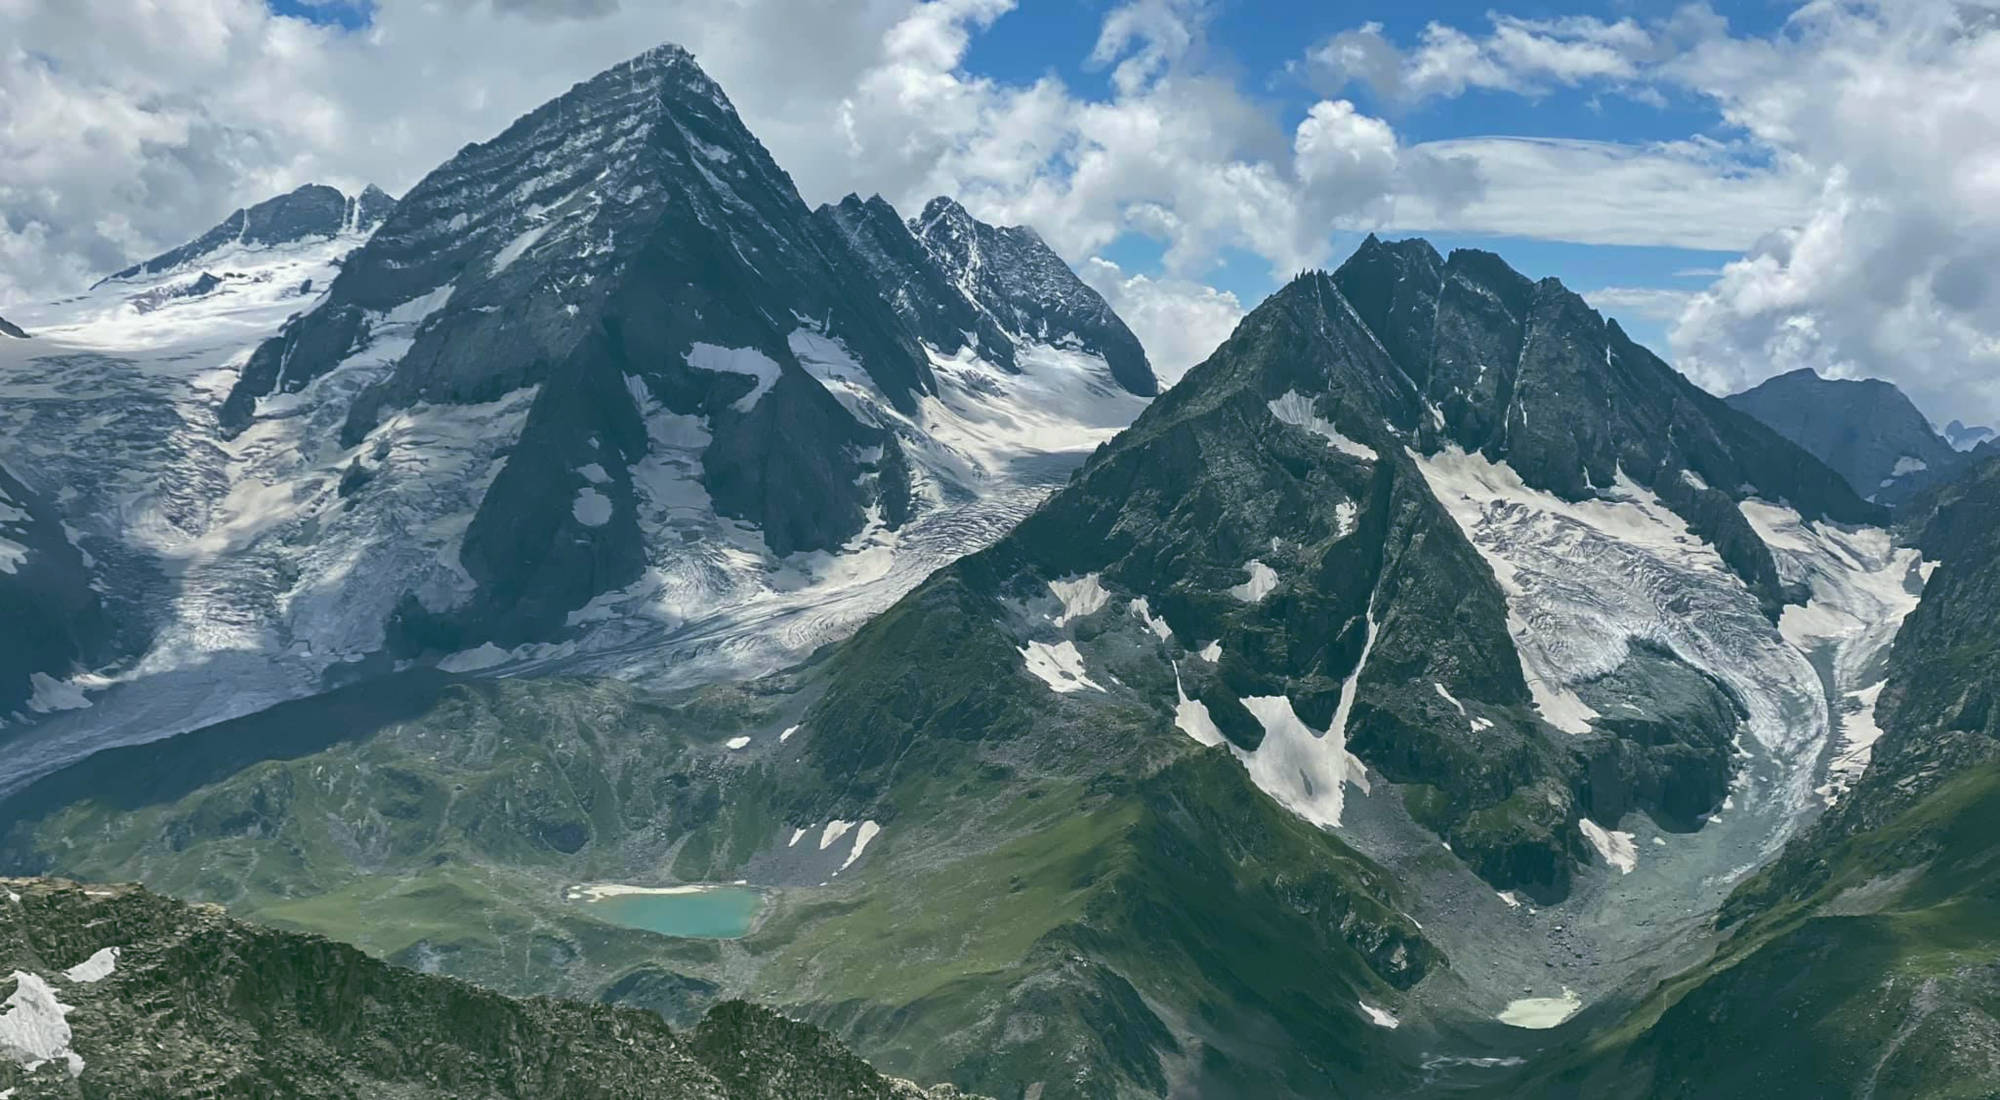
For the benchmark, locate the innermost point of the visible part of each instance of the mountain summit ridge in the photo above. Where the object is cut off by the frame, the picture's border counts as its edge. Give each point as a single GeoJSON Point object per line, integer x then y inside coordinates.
{"type": "Point", "coordinates": [1867, 429]}
{"type": "Point", "coordinates": [600, 390]}
{"type": "Point", "coordinates": [312, 210]}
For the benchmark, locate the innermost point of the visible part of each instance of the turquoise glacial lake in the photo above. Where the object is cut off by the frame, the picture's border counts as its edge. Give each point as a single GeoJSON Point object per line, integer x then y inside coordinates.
{"type": "Point", "coordinates": [723, 913]}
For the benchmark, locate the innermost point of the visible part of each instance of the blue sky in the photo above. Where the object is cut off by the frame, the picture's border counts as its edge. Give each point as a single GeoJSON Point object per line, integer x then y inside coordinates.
{"type": "Point", "coordinates": [1259, 45]}
{"type": "Point", "coordinates": [1749, 186]}
{"type": "Point", "coordinates": [1262, 41]}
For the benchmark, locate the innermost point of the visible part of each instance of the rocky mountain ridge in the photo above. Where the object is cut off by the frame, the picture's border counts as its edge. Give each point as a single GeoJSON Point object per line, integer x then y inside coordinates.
{"type": "Point", "coordinates": [119, 992]}
{"type": "Point", "coordinates": [1866, 429]}
{"type": "Point", "coordinates": [1322, 735]}
{"type": "Point", "coordinates": [601, 392]}
{"type": "Point", "coordinates": [314, 211]}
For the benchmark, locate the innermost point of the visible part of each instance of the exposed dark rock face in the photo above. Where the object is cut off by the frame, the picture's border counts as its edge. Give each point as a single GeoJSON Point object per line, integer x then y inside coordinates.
{"type": "Point", "coordinates": [910, 279]}
{"type": "Point", "coordinates": [1866, 429]}
{"type": "Point", "coordinates": [314, 210]}
{"type": "Point", "coordinates": [1019, 281]}
{"type": "Point", "coordinates": [8, 328]}
{"type": "Point", "coordinates": [631, 250]}
{"type": "Point", "coordinates": [1292, 448]}
{"type": "Point", "coordinates": [165, 999]}
{"type": "Point", "coordinates": [1528, 373]}
{"type": "Point", "coordinates": [200, 286]}
{"type": "Point", "coordinates": [51, 621]}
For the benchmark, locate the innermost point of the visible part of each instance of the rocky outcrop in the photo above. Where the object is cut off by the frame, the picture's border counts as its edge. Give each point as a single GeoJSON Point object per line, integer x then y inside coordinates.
{"type": "Point", "coordinates": [1023, 285]}
{"type": "Point", "coordinates": [52, 623]}
{"type": "Point", "coordinates": [120, 992]}
{"type": "Point", "coordinates": [8, 328]}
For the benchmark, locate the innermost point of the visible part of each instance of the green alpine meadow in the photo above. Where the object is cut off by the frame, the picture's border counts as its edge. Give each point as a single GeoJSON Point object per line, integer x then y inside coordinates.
{"type": "Point", "coordinates": [626, 615]}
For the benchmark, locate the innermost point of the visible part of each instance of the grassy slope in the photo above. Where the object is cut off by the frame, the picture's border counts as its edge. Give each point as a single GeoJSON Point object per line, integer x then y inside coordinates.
{"type": "Point", "coordinates": [1883, 981]}
{"type": "Point", "coordinates": [1026, 916]}
{"type": "Point", "coordinates": [198, 1004]}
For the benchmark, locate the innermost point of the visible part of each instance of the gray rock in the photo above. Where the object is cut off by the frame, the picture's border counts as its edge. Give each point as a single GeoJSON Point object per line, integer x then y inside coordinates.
{"type": "Point", "coordinates": [1866, 429]}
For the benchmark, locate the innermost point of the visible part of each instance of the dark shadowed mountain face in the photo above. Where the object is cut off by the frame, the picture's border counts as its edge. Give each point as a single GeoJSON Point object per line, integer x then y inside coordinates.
{"type": "Point", "coordinates": [314, 210]}
{"type": "Point", "coordinates": [631, 246]}
{"type": "Point", "coordinates": [1866, 429]}
{"type": "Point", "coordinates": [968, 287]}
{"type": "Point", "coordinates": [8, 328]}
{"type": "Point", "coordinates": [51, 622]}
{"type": "Point", "coordinates": [1016, 279]}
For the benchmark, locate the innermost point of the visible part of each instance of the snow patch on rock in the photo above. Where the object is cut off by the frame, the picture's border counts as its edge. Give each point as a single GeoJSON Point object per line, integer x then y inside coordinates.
{"type": "Point", "coordinates": [33, 1029]}
{"type": "Point", "coordinates": [1304, 770]}
{"type": "Point", "coordinates": [1618, 849]}
{"type": "Point", "coordinates": [1380, 1017]}
{"type": "Point", "coordinates": [834, 831]}
{"type": "Point", "coordinates": [96, 968]}
{"type": "Point", "coordinates": [1081, 597]}
{"type": "Point", "coordinates": [748, 361]}
{"type": "Point", "coordinates": [1060, 666]}
{"type": "Point", "coordinates": [1263, 581]}
{"type": "Point", "coordinates": [1191, 715]}
{"type": "Point", "coordinates": [1143, 611]}
{"type": "Point", "coordinates": [1296, 409]}
{"type": "Point", "coordinates": [863, 835]}
{"type": "Point", "coordinates": [591, 508]}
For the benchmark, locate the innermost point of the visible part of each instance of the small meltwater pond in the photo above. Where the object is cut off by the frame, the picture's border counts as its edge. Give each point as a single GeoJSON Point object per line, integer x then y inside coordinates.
{"type": "Point", "coordinates": [692, 912]}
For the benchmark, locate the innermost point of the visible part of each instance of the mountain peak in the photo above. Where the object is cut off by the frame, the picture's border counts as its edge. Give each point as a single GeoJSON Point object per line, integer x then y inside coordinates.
{"type": "Point", "coordinates": [628, 262]}
{"type": "Point", "coordinates": [1867, 429]}
{"type": "Point", "coordinates": [8, 328]}
{"type": "Point", "coordinates": [1030, 291]}
{"type": "Point", "coordinates": [314, 210]}
{"type": "Point", "coordinates": [946, 209]}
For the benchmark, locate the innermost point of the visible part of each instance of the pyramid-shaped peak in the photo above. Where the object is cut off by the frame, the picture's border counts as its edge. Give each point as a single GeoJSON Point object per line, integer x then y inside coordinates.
{"type": "Point", "coordinates": [1409, 250]}
{"type": "Point", "coordinates": [669, 65]}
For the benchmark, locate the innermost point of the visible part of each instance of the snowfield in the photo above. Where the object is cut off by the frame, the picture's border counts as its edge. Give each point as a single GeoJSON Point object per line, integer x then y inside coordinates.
{"type": "Point", "coordinates": [260, 579]}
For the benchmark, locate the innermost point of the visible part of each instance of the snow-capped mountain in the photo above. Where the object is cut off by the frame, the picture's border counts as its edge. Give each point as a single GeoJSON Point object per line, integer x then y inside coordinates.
{"type": "Point", "coordinates": [602, 393]}
{"type": "Point", "coordinates": [314, 211]}
{"type": "Point", "coordinates": [1437, 556]}
{"type": "Point", "coordinates": [1866, 429]}
{"type": "Point", "coordinates": [963, 284]}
